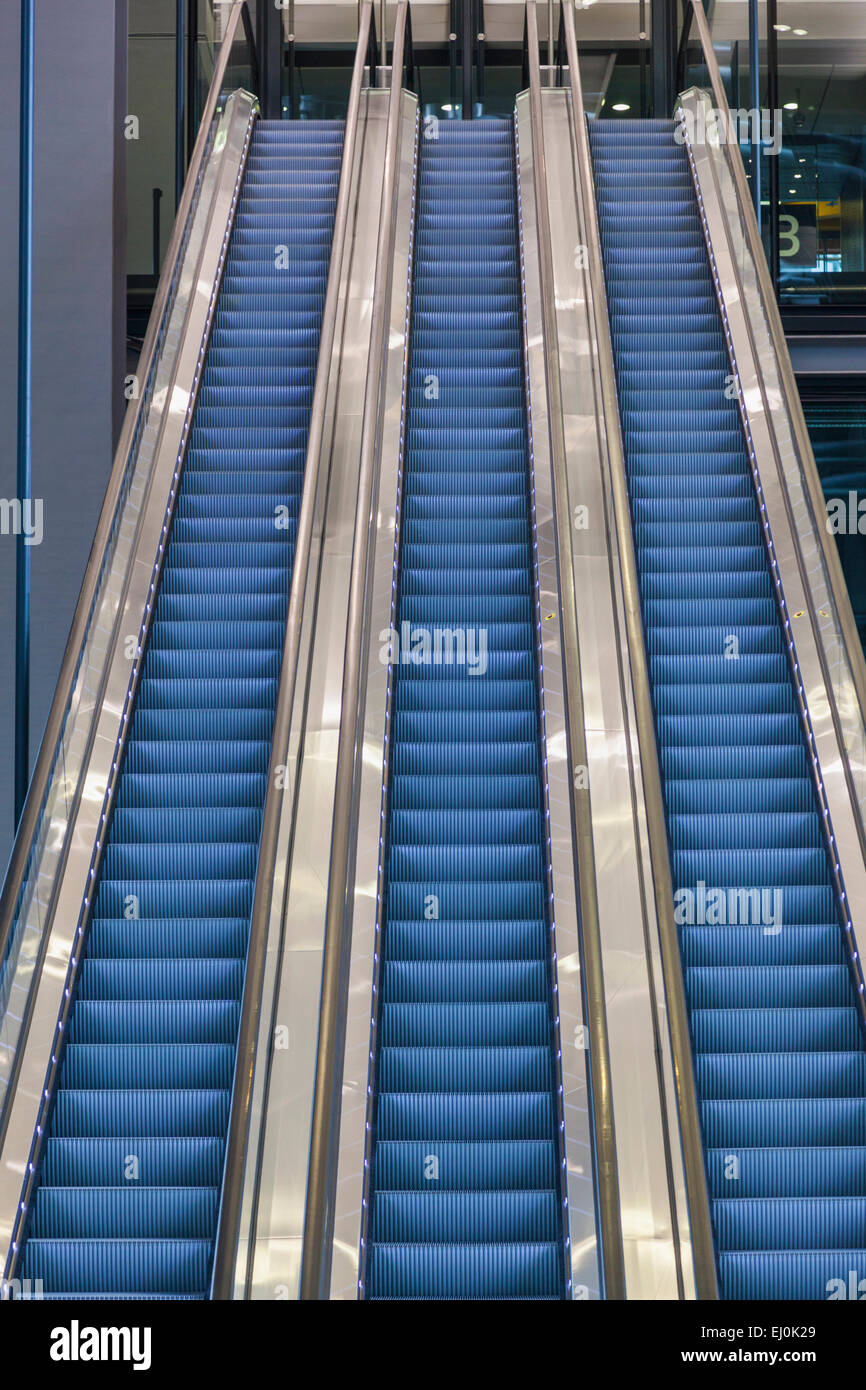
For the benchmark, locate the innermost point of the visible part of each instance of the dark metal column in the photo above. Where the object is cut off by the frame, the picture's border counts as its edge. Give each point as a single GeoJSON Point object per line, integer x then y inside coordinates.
{"type": "Point", "coordinates": [269, 32]}
{"type": "Point", "coordinates": [25, 384]}
{"type": "Point", "coordinates": [191, 73]}
{"type": "Point", "coordinates": [180, 98]}
{"type": "Point", "coordinates": [467, 46]}
{"type": "Point", "coordinates": [755, 103]}
{"type": "Point", "coordinates": [775, 115]}
{"type": "Point", "coordinates": [119, 221]}
{"type": "Point", "coordinates": [663, 47]}
{"type": "Point", "coordinates": [289, 39]}
{"type": "Point", "coordinates": [452, 56]}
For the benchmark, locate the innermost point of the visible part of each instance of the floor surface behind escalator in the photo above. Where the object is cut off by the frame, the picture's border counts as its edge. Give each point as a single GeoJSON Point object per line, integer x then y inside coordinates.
{"type": "Point", "coordinates": [465, 1186]}
{"type": "Point", "coordinates": [129, 1186]}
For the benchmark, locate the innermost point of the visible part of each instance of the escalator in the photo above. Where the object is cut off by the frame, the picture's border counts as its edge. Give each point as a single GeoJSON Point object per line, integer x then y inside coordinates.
{"type": "Point", "coordinates": [129, 1188]}
{"type": "Point", "coordinates": [776, 1032]}
{"type": "Point", "coordinates": [510, 910]}
{"type": "Point", "coordinates": [465, 1199]}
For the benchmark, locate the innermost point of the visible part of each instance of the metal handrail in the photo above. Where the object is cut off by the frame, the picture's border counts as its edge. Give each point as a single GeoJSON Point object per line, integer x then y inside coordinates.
{"type": "Point", "coordinates": [809, 470]}
{"type": "Point", "coordinates": [29, 823]}
{"type": "Point", "coordinates": [706, 1280]}
{"type": "Point", "coordinates": [245, 1062]}
{"type": "Point", "coordinates": [601, 1087]}
{"type": "Point", "coordinates": [324, 1132]}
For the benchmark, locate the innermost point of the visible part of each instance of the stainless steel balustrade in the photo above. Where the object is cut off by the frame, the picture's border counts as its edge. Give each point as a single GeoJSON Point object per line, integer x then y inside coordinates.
{"type": "Point", "coordinates": [325, 1131]}
{"type": "Point", "coordinates": [364, 891]}
{"type": "Point", "coordinates": [261, 1214]}
{"type": "Point", "coordinates": [596, 1254]}
{"type": "Point", "coordinates": [275, 1237]}
{"type": "Point", "coordinates": [690, 1199]}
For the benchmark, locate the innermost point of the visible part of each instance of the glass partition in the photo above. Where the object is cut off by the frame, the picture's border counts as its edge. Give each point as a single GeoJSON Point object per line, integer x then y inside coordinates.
{"type": "Point", "coordinates": [822, 171]}
{"type": "Point", "coordinates": [318, 93]}
{"type": "Point", "coordinates": [614, 49]}
{"type": "Point", "coordinates": [809, 179]}
{"type": "Point", "coordinates": [152, 148]}
{"type": "Point", "coordinates": [837, 428]}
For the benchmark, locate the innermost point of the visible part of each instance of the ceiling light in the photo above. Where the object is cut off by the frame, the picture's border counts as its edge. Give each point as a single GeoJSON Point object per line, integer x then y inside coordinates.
{"type": "Point", "coordinates": [782, 28]}
{"type": "Point", "coordinates": [792, 190]}
{"type": "Point", "coordinates": [798, 176]}
{"type": "Point", "coordinates": [791, 105]}
{"type": "Point", "coordinates": [801, 32]}
{"type": "Point", "coordinates": [621, 106]}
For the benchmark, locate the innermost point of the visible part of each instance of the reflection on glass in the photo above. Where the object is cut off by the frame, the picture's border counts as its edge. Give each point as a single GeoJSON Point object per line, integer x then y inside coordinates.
{"type": "Point", "coordinates": [819, 221]}
{"type": "Point", "coordinates": [821, 180]}
{"type": "Point", "coordinates": [838, 432]}
{"type": "Point", "coordinates": [319, 93]}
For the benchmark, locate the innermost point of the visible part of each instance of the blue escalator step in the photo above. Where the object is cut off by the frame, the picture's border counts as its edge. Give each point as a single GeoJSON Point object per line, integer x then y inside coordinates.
{"type": "Point", "coordinates": [70, 1213]}
{"type": "Point", "coordinates": [467, 1165]}
{"type": "Point", "coordinates": [498, 1216]}
{"type": "Point", "coordinates": [801, 1172]}
{"type": "Point", "coordinates": [463, 1025]}
{"type": "Point", "coordinates": [101, 1163]}
{"type": "Point", "coordinates": [793, 1274]}
{"type": "Point", "coordinates": [466, 1271]}
{"type": "Point", "coordinates": [101, 1269]}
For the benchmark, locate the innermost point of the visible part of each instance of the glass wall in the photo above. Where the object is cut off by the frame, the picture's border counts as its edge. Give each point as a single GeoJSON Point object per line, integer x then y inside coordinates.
{"type": "Point", "coordinates": [822, 169]}
{"type": "Point", "coordinates": [837, 428]}
{"type": "Point", "coordinates": [811, 180]}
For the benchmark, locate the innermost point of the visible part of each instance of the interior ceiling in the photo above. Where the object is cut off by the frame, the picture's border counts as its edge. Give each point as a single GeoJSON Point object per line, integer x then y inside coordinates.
{"type": "Point", "coordinates": [823, 20]}
{"type": "Point", "coordinates": [826, 21]}
{"type": "Point", "coordinates": [835, 29]}
{"type": "Point", "coordinates": [337, 20]}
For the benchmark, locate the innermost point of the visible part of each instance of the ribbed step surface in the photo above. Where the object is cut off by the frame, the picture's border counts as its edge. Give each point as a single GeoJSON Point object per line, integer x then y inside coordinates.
{"type": "Point", "coordinates": [129, 1188]}
{"type": "Point", "coordinates": [465, 1196]}
{"type": "Point", "coordinates": [778, 1044]}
